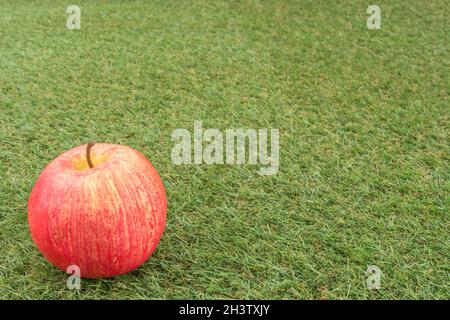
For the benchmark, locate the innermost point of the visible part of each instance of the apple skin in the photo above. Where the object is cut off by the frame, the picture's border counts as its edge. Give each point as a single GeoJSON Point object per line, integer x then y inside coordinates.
{"type": "Point", "coordinates": [107, 220]}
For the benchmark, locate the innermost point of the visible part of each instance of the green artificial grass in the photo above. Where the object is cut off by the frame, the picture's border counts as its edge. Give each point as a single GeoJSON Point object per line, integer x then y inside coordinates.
{"type": "Point", "coordinates": [364, 141]}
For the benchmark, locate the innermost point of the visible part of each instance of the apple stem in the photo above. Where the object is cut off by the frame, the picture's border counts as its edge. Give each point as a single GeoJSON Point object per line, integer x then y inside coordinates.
{"type": "Point", "coordinates": [88, 153]}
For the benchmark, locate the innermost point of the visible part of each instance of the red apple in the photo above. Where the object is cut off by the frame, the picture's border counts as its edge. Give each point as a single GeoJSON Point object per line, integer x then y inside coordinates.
{"type": "Point", "coordinates": [101, 207]}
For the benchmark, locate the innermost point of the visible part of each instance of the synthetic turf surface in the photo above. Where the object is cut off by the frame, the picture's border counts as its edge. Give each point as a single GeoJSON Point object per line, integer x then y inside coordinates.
{"type": "Point", "coordinates": [364, 130]}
